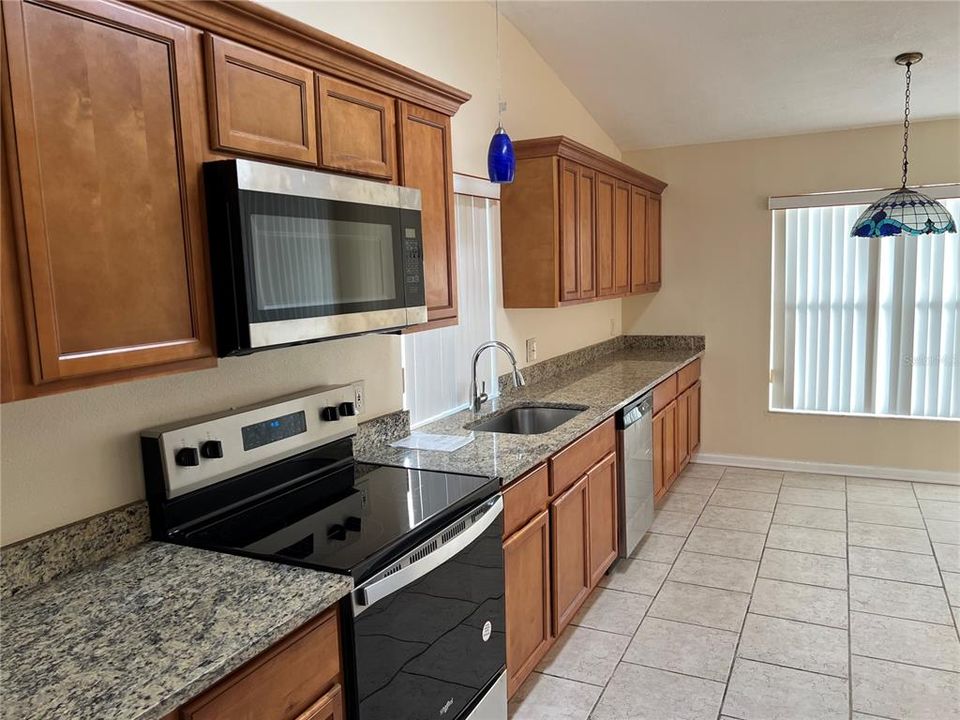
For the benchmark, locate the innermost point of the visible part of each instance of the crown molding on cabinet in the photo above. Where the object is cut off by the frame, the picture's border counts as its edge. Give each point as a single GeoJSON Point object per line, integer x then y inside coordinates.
{"type": "Point", "coordinates": [271, 31]}
{"type": "Point", "coordinates": [564, 147]}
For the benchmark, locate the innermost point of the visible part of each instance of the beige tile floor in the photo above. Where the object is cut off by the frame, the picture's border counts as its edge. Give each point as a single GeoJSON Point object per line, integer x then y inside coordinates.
{"type": "Point", "coordinates": [762, 595]}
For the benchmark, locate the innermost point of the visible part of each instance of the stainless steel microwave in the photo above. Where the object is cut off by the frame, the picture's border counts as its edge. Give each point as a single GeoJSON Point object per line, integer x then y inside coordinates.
{"type": "Point", "coordinates": [298, 255]}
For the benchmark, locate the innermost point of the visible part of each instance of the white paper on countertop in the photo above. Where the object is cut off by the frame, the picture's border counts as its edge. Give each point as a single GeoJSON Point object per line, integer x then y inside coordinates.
{"type": "Point", "coordinates": [426, 441]}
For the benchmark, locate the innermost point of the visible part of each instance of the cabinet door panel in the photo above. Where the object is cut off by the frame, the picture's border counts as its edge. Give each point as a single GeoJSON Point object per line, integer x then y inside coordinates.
{"type": "Point", "coordinates": [621, 239]}
{"type": "Point", "coordinates": [526, 563]}
{"type": "Point", "coordinates": [569, 227]}
{"type": "Point", "coordinates": [602, 502]}
{"type": "Point", "coordinates": [653, 240]}
{"type": "Point", "coordinates": [358, 129]}
{"type": "Point", "coordinates": [606, 189]}
{"type": "Point", "coordinates": [669, 444]}
{"type": "Point", "coordinates": [329, 707]}
{"type": "Point", "coordinates": [570, 561]}
{"type": "Point", "coordinates": [638, 240]}
{"type": "Point", "coordinates": [658, 477]}
{"type": "Point", "coordinates": [108, 159]}
{"type": "Point", "coordinates": [260, 104]}
{"type": "Point", "coordinates": [683, 417]}
{"type": "Point", "coordinates": [425, 158]}
{"type": "Point", "coordinates": [586, 233]}
{"type": "Point", "coordinates": [693, 414]}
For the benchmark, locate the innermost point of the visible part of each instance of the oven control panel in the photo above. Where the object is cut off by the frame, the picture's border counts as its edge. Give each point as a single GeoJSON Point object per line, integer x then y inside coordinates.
{"type": "Point", "coordinates": [202, 451]}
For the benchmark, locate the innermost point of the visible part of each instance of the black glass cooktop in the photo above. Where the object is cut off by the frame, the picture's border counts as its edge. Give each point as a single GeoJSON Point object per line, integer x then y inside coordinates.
{"type": "Point", "coordinates": [347, 519]}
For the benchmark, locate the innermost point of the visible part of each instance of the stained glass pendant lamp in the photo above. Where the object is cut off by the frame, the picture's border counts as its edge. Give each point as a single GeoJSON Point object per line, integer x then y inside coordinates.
{"type": "Point", "coordinates": [501, 161]}
{"type": "Point", "coordinates": [904, 211]}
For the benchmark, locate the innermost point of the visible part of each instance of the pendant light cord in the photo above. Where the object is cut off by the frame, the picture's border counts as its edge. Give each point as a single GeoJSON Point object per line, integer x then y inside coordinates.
{"type": "Point", "coordinates": [500, 72]}
{"type": "Point", "coordinates": [906, 129]}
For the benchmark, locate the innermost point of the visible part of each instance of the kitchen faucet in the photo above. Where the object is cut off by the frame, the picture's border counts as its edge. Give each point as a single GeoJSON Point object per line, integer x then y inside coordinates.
{"type": "Point", "coordinates": [480, 395]}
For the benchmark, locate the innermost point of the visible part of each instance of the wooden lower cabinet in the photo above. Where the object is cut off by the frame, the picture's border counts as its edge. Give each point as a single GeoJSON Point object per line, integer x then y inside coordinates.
{"type": "Point", "coordinates": [526, 563]}
{"type": "Point", "coordinates": [676, 425]}
{"type": "Point", "coordinates": [602, 504]}
{"type": "Point", "coordinates": [297, 679]}
{"type": "Point", "coordinates": [693, 418]}
{"type": "Point", "coordinates": [570, 557]}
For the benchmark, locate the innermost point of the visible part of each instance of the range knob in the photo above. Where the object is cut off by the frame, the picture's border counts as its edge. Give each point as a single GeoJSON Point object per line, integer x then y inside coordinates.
{"type": "Point", "coordinates": [187, 457]}
{"type": "Point", "coordinates": [336, 532]}
{"type": "Point", "coordinates": [353, 524]}
{"type": "Point", "coordinates": [211, 449]}
{"type": "Point", "coordinates": [330, 413]}
{"type": "Point", "coordinates": [347, 409]}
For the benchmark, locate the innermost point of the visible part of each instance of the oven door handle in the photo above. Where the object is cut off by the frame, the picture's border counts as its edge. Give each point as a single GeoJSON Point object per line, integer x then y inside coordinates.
{"type": "Point", "coordinates": [370, 593]}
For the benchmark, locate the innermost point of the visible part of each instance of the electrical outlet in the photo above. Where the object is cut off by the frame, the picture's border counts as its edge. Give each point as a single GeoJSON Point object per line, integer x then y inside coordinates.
{"type": "Point", "coordinates": [531, 349]}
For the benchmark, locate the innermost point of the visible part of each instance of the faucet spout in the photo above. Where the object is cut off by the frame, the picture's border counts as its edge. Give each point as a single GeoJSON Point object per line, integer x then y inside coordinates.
{"type": "Point", "coordinates": [480, 393]}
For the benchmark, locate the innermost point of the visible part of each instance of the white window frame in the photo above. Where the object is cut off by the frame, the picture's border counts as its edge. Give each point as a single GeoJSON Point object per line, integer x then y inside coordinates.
{"type": "Point", "coordinates": [818, 200]}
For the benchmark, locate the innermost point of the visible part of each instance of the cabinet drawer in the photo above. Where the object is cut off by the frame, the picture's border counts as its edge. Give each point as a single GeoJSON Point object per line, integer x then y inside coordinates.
{"type": "Point", "coordinates": [284, 683]}
{"type": "Point", "coordinates": [571, 463]}
{"type": "Point", "coordinates": [688, 375]}
{"type": "Point", "coordinates": [524, 498]}
{"type": "Point", "coordinates": [664, 393]}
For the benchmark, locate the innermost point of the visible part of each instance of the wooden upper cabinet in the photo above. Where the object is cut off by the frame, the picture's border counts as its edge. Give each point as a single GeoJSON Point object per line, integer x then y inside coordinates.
{"type": "Point", "coordinates": [638, 240]}
{"type": "Point", "coordinates": [604, 527]}
{"type": "Point", "coordinates": [606, 189]}
{"type": "Point", "coordinates": [653, 242]}
{"type": "Point", "coordinates": [586, 232]}
{"type": "Point", "coordinates": [259, 104]}
{"type": "Point", "coordinates": [621, 239]}
{"type": "Point", "coordinates": [358, 129]}
{"type": "Point", "coordinates": [572, 227]}
{"type": "Point", "coordinates": [425, 164]}
{"type": "Point", "coordinates": [104, 119]}
{"type": "Point", "coordinates": [569, 249]}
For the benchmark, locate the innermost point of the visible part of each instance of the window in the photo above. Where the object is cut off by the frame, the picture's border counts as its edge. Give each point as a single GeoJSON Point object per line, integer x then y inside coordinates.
{"type": "Point", "coordinates": [436, 363]}
{"type": "Point", "coordinates": [863, 325]}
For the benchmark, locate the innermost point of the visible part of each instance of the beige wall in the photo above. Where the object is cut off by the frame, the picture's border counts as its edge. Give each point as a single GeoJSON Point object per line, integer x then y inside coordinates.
{"type": "Point", "coordinates": [716, 281]}
{"type": "Point", "coordinates": [69, 456]}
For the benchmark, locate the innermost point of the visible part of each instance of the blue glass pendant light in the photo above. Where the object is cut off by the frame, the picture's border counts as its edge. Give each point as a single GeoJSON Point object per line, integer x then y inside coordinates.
{"type": "Point", "coordinates": [501, 160]}
{"type": "Point", "coordinates": [904, 211]}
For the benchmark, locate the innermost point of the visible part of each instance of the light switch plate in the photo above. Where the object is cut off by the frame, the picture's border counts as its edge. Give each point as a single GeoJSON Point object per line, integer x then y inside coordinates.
{"type": "Point", "coordinates": [531, 349]}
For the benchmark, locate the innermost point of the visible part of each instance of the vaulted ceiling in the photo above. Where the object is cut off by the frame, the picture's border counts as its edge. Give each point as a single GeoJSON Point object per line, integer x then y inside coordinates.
{"type": "Point", "coordinates": [677, 73]}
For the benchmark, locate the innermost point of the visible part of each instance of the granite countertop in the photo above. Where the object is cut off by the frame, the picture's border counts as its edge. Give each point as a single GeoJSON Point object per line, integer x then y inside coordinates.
{"type": "Point", "coordinates": [603, 385]}
{"type": "Point", "coordinates": [141, 633]}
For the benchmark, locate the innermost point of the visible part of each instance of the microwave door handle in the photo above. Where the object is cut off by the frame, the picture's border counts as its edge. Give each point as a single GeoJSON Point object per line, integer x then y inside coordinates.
{"type": "Point", "coordinates": [368, 594]}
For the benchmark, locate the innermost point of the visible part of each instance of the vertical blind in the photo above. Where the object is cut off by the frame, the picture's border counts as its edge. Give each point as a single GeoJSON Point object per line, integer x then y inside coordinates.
{"type": "Point", "coordinates": [863, 325]}
{"type": "Point", "coordinates": [437, 363]}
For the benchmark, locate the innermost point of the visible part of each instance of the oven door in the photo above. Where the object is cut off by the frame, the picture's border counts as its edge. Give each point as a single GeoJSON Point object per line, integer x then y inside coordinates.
{"type": "Point", "coordinates": [428, 631]}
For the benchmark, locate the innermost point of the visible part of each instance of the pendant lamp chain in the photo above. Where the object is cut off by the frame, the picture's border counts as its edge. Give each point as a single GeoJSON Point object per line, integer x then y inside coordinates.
{"type": "Point", "coordinates": [906, 127]}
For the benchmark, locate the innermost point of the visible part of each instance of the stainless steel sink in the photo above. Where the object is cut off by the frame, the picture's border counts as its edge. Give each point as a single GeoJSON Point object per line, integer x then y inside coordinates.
{"type": "Point", "coordinates": [528, 419]}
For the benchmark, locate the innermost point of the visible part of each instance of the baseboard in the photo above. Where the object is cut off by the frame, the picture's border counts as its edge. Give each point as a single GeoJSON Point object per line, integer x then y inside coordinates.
{"type": "Point", "coordinates": [873, 471]}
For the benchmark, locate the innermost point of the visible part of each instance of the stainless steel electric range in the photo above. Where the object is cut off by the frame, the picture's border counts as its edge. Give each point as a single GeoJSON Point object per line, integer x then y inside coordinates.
{"type": "Point", "coordinates": [424, 627]}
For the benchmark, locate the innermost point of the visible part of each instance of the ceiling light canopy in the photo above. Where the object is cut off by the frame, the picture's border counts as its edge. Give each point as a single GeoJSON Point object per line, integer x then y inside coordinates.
{"type": "Point", "coordinates": [904, 211]}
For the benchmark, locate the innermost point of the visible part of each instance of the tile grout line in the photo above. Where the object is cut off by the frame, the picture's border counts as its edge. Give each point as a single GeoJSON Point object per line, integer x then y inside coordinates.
{"type": "Point", "coordinates": [646, 613]}
{"type": "Point", "coordinates": [923, 517]}
{"type": "Point", "coordinates": [743, 621]}
{"type": "Point", "coordinates": [908, 664]}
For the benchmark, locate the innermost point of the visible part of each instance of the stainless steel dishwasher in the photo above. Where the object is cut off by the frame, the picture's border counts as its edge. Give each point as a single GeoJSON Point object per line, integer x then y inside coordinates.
{"type": "Point", "coordinates": [635, 441]}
